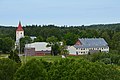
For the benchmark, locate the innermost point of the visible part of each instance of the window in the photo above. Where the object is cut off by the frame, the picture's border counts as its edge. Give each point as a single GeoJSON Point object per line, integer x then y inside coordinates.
{"type": "Point", "coordinates": [76, 53]}
{"type": "Point", "coordinates": [82, 48]}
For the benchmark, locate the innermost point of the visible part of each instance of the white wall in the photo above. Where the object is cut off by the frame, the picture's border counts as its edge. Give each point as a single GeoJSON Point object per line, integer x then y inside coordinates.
{"type": "Point", "coordinates": [39, 46]}
{"type": "Point", "coordinates": [72, 50]}
{"type": "Point", "coordinates": [19, 34]}
{"type": "Point", "coordinates": [81, 51]}
{"type": "Point", "coordinates": [105, 49]}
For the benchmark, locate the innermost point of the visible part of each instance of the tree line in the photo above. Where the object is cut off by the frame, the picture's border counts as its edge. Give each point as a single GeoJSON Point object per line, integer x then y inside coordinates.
{"type": "Point", "coordinates": [69, 34]}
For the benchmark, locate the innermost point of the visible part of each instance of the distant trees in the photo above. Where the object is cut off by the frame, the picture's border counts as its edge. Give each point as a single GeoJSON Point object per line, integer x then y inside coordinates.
{"type": "Point", "coordinates": [39, 39]}
{"type": "Point", "coordinates": [116, 41]}
{"type": "Point", "coordinates": [70, 38]}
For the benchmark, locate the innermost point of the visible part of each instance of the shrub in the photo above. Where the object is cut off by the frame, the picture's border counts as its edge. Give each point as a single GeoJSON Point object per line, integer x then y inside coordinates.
{"type": "Point", "coordinates": [107, 58]}
{"type": "Point", "coordinates": [7, 69]}
{"type": "Point", "coordinates": [32, 70]}
{"type": "Point", "coordinates": [82, 70]}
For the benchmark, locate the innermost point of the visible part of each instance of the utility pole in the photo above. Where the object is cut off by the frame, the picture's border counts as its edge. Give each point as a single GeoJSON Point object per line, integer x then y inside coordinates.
{"type": "Point", "coordinates": [26, 42]}
{"type": "Point", "coordinates": [19, 47]}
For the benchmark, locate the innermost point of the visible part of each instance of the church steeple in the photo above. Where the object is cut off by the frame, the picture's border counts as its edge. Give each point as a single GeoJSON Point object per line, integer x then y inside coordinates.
{"type": "Point", "coordinates": [19, 32]}
{"type": "Point", "coordinates": [19, 27]}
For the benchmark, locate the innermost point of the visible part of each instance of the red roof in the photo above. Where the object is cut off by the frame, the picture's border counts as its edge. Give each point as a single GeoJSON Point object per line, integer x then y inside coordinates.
{"type": "Point", "coordinates": [19, 27]}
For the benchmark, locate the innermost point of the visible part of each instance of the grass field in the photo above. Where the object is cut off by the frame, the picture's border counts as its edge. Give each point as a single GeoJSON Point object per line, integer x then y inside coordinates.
{"type": "Point", "coordinates": [48, 58]}
{"type": "Point", "coordinates": [4, 55]}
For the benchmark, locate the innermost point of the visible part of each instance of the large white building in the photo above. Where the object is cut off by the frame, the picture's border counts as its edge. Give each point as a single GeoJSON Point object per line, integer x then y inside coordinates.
{"type": "Point", "coordinates": [88, 46]}
{"type": "Point", "coordinates": [37, 48]}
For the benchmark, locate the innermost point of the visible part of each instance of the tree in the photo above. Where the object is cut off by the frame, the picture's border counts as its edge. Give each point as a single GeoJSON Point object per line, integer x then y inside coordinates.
{"type": "Point", "coordinates": [14, 56]}
{"type": "Point", "coordinates": [52, 40]}
{"type": "Point", "coordinates": [70, 38]}
{"type": "Point", "coordinates": [6, 45]}
{"type": "Point", "coordinates": [24, 41]}
{"type": "Point", "coordinates": [32, 70]}
{"type": "Point", "coordinates": [38, 39]}
{"type": "Point", "coordinates": [7, 69]}
{"type": "Point", "coordinates": [54, 44]}
{"type": "Point", "coordinates": [63, 49]}
{"type": "Point", "coordinates": [70, 69]}
{"type": "Point", "coordinates": [56, 48]}
{"type": "Point", "coordinates": [116, 41]}
{"type": "Point", "coordinates": [107, 58]}
{"type": "Point", "coordinates": [1, 42]}
{"type": "Point", "coordinates": [106, 36]}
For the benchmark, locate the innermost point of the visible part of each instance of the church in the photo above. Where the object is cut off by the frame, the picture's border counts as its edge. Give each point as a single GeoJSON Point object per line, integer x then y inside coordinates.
{"type": "Point", "coordinates": [32, 49]}
{"type": "Point", "coordinates": [19, 34]}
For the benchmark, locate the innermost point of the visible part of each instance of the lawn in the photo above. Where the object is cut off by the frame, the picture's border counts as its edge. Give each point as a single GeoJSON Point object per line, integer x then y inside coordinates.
{"type": "Point", "coordinates": [48, 58]}
{"type": "Point", "coordinates": [4, 55]}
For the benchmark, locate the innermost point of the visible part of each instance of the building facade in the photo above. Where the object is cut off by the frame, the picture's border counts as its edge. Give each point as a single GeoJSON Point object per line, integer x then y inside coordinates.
{"type": "Point", "coordinates": [88, 46]}
{"type": "Point", "coordinates": [37, 49]}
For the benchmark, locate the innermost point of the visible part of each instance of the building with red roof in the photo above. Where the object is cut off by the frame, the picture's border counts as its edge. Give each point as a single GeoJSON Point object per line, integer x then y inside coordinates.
{"type": "Point", "coordinates": [19, 33]}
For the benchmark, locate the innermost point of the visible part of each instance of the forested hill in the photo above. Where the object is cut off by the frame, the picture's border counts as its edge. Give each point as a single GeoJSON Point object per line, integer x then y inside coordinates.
{"type": "Point", "coordinates": [111, 32]}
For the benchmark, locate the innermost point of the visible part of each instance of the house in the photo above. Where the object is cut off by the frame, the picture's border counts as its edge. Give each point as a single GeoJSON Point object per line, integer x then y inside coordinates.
{"type": "Point", "coordinates": [37, 49]}
{"type": "Point", "coordinates": [88, 46]}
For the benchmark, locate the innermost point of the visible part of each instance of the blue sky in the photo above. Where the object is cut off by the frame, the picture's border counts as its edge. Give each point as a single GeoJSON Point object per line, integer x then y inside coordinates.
{"type": "Point", "coordinates": [59, 12]}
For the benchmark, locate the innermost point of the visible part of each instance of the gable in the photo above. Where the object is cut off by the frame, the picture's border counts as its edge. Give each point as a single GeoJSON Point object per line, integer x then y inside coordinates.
{"type": "Point", "coordinates": [78, 43]}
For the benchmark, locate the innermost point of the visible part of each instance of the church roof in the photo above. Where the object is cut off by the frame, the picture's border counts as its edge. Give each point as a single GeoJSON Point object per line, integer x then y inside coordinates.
{"type": "Point", "coordinates": [19, 27]}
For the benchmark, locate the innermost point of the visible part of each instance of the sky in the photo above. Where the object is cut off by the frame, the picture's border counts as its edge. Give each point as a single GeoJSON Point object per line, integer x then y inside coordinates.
{"type": "Point", "coordinates": [59, 12]}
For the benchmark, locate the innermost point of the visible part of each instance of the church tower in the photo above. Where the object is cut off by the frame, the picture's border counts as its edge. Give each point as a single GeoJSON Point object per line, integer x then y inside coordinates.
{"type": "Point", "coordinates": [19, 33]}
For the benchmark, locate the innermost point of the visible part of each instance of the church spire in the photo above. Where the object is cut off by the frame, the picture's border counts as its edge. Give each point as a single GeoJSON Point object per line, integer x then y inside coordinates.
{"type": "Point", "coordinates": [19, 27]}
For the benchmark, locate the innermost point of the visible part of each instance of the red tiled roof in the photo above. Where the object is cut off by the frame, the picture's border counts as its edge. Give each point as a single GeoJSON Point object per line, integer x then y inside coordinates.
{"type": "Point", "coordinates": [19, 27]}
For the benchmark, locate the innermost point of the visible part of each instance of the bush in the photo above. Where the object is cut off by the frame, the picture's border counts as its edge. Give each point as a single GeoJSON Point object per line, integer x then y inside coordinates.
{"type": "Point", "coordinates": [7, 69]}
{"type": "Point", "coordinates": [107, 58]}
{"type": "Point", "coordinates": [82, 70]}
{"type": "Point", "coordinates": [66, 69]}
{"type": "Point", "coordinates": [14, 56]}
{"type": "Point", "coordinates": [32, 70]}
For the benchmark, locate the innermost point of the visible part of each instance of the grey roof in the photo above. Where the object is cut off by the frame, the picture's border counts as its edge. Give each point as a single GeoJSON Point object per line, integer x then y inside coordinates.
{"type": "Point", "coordinates": [92, 43]}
